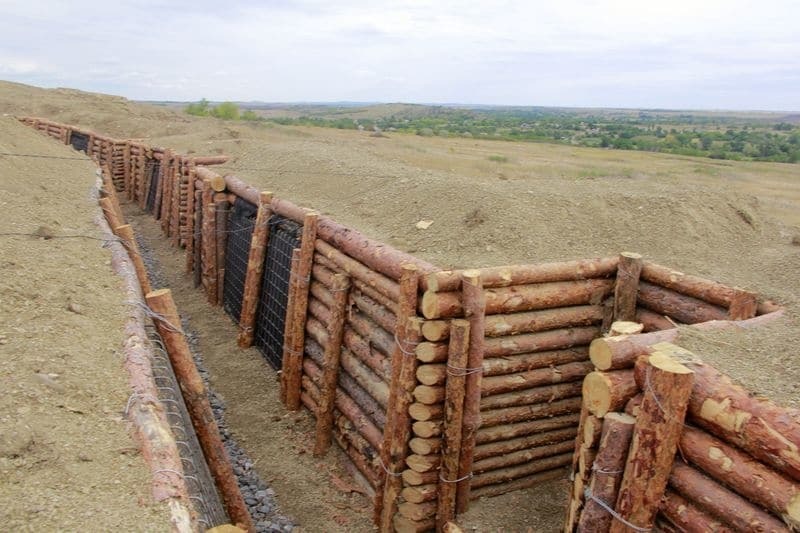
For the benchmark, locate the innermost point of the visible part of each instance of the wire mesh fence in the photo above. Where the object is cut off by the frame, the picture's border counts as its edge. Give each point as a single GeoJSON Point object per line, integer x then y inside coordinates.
{"type": "Point", "coordinates": [152, 168]}
{"type": "Point", "coordinates": [241, 224]}
{"type": "Point", "coordinates": [284, 236]}
{"type": "Point", "coordinates": [79, 141]}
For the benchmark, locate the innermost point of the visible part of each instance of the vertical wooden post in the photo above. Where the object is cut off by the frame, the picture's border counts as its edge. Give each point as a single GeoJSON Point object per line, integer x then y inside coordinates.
{"type": "Point", "coordinates": [222, 205]}
{"type": "Point", "coordinates": [298, 319]}
{"type": "Point", "coordinates": [210, 251]}
{"type": "Point", "coordinates": [145, 188]}
{"type": "Point", "coordinates": [190, 216]}
{"type": "Point", "coordinates": [255, 270]}
{"type": "Point", "coordinates": [111, 214]}
{"type": "Point", "coordinates": [166, 200]}
{"type": "Point", "coordinates": [191, 384]}
{"type": "Point", "coordinates": [197, 239]}
{"type": "Point", "coordinates": [125, 233]}
{"type": "Point", "coordinates": [330, 370]}
{"type": "Point", "coordinates": [126, 166]}
{"type": "Point", "coordinates": [174, 230]}
{"type": "Point", "coordinates": [111, 193]}
{"type": "Point", "coordinates": [397, 429]}
{"type": "Point", "coordinates": [744, 304]}
{"type": "Point", "coordinates": [627, 286]}
{"type": "Point", "coordinates": [453, 418]}
{"type": "Point", "coordinates": [474, 302]}
{"type": "Point", "coordinates": [160, 189]}
{"type": "Point", "coordinates": [287, 360]}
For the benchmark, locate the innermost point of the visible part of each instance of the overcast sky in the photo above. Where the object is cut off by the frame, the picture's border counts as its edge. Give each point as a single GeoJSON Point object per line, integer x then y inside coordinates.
{"type": "Point", "coordinates": [699, 54]}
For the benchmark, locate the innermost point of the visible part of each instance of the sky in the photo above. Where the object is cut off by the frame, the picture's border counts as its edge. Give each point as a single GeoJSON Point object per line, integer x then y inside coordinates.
{"type": "Point", "coordinates": [670, 54]}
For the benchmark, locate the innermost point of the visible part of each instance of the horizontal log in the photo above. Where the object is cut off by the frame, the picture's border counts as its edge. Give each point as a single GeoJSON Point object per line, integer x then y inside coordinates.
{"type": "Point", "coordinates": [652, 321]}
{"type": "Point", "coordinates": [419, 493]}
{"type": "Point", "coordinates": [372, 332]}
{"type": "Point", "coordinates": [608, 391]}
{"type": "Point", "coordinates": [323, 274]}
{"type": "Point", "coordinates": [522, 456]}
{"type": "Point", "coordinates": [382, 316]}
{"type": "Point", "coordinates": [423, 463]}
{"type": "Point", "coordinates": [501, 475]}
{"type": "Point", "coordinates": [429, 395]}
{"type": "Point", "coordinates": [404, 525]}
{"type": "Point", "coordinates": [363, 350]}
{"type": "Point", "coordinates": [354, 268]}
{"type": "Point", "coordinates": [423, 446]}
{"type": "Point", "coordinates": [358, 460]}
{"type": "Point", "coordinates": [703, 289]}
{"type": "Point", "coordinates": [535, 378]}
{"type": "Point", "coordinates": [546, 393]}
{"type": "Point", "coordinates": [365, 377]}
{"type": "Point", "coordinates": [414, 478]}
{"type": "Point", "coordinates": [321, 293]}
{"type": "Point", "coordinates": [556, 339]}
{"type": "Point", "coordinates": [417, 511]}
{"type": "Point", "coordinates": [509, 415]}
{"type": "Point", "coordinates": [505, 276]}
{"type": "Point", "coordinates": [523, 362]}
{"type": "Point", "coordinates": [216, 181]}
{"type": "Point", "coordinates": [518, 484]}
{"type": "Point", "coordinates": [521, 298]}
{"type": "Point", "coordinates": [521, 429]}
{"type": "Point", "coordinates": [544, 438]}
{"type": "Point", "coordinates": [613, 353]}
{"type": "Point", "coordinates": [422, 412]}
{"type": "Point", "coordinates": [431, 352]}
{"type": "Point", "coordinates": [687, 517]}
{"type": "Point", "coordinates": [675, 305]}
{"type": "Point", "coordinates": [210, 160]}
{"type": "Point", "coordinates": [427, 428]}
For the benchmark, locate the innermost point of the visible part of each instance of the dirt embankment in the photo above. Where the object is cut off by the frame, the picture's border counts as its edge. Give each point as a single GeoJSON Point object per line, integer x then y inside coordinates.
{"type": "Point", "coordinates": [67, 460]}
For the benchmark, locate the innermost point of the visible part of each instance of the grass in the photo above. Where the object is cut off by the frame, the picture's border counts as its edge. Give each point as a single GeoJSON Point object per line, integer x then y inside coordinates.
{"type": "Point", "coordinates": [498, 158]}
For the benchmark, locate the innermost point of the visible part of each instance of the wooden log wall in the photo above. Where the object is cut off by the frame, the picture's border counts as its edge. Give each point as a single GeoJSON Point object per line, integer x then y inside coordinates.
{"type": "Point", "coordinates": [730, 465]}
{"type": "Point", "coordinates": [527, 351]}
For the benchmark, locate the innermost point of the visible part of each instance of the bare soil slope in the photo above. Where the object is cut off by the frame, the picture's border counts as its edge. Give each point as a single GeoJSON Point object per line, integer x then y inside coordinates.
{"type": "Point", "coordinates": [67, 461]}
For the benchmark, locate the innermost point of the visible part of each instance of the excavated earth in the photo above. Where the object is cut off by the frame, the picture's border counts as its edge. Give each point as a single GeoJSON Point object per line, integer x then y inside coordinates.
{"type": "Point", "coordinates": [735, 222]}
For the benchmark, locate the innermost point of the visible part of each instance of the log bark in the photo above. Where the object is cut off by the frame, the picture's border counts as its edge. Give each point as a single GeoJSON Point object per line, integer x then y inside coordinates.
{"type": "Point", "coordinates": [503, 475]}
{"type": "Point", "coordinates": [652, 321]}
{"type": "Point", "coordinates": [520, 298]}
{"type": "Point", "coordinates": [427, 429]}
{"type": "Point", "coordinates": [556, 339]}
{"type": "Point", "coordinates": [607, 471]}
{"type": "Point", "coordinates": [287, 366]}
{"type": "Point", "coordinates": [613, 353]}
{"type": "Point", "coordinates": [500, 448]}
{"type": "Point", "coordinates": [423, 463]}
{"type": "Point", "coordinates": [419, 478]}
{"type": "Point", "coordinates": [585, 442]}
{"type": "Point", "coordinates": [372, 332]}
{"type": "Point", "coordinates": [382, 316]}
{"type": "Point", "coordinates": [547, 393]}
{"type": "Point", "coordinates": [518, 484]}
{"type": "Point", "coordinates": [197, 236]}
{"type": "Point", "coordinates": [125, 233]}
{"type": "Point", "coordinates": [744, 305]}
{"type": "Point", "coordinates": [535, 378]}
{"type": "Point", "coordinates": [702, 289]}
{"type": "Point", "coordinates": [522, 456]}
{"type": "Point", "coordinates": [766, 431]}
{"type": "Point", "coordinates": [218, 184]}
{"type": "Point", "coordinates": [320, 292]}
{"type": "Point", "coordinates": [627, 286]}
{"type": "Point", "coordinates": [364, 350]}
{"type": "Point", "coordinates": [505, 276]}
{"type": "Point", "coordinates": [255, 271]}
{"type": "Point", "coordinates": [512, 364]}
{"type": "Point", "coordinates": [422, 412]}
{"type": "Point", "coordinates": [423, 446]}
{"type": "Point", "coordinates": [687, 517]}
{"type": "Point", "coordinates": [223, 208]}
{"type": "Point", "coordinates": [193, 391]}
{"type": "Point", "coordinates": [188, 237]}
{"type": "Point", "coordinates": [677, 306]}
{"type": "Point", "coordinates": [429, 395]}
{"type": "Point", "coordinates": [608, 391]}
{"type": "Point", "coordinates": [655, 440]}
{"type": "Point", "coordinates": [210, 160]}
{"type": "Point", "coordinates": [751, 479]}
{"type": "Point", "coordinates": [210, 252]}
{"type": "Point", "coordinates": [379, 282]}
{"type": "Point", "coordinates": [453, 419]}
{"type": "Point", "coordinates": [330, 370]}
{"type": "Point", "coordinates": [474, 309]}
{"type": "Point", "coordinates": [301, 276]}
{"type": "Point", "coordinates": [721, 502]}
{"type": "Point", "coordinates": [419, 494]}
{"type": "Point", "coordinates": [510, 431]}
{"type": "Point", "coordinates": [404, 525]}
{"type": "Point", "coordinates": [509, 415]}
{"type": "Point", "coordinates": [417, 511]}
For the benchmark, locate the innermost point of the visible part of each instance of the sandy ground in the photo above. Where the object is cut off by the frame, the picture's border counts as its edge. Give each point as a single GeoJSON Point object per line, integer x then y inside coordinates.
{"type": "Point", "coordinates": [738, 223]}
{"type": "Point", "coordinates": [67, 460]}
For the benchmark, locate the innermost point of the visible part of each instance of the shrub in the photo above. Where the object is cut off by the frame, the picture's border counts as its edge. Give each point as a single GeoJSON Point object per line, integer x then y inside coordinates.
{"type": "Point", "coordinates": [226, 111]}
{"type": "Point", "coordinates": [498, 158]}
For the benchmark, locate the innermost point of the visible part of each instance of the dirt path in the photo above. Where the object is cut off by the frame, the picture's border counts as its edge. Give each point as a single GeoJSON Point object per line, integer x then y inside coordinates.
{"type": "Point", "coordinates": [67, 460]}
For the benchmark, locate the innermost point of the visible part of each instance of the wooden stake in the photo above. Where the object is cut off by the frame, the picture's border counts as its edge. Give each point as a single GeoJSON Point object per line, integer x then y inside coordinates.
{"type": "Point", "coordinates": [188, 237]}
{"type": "Point", "coordinates": [110, 213]}
{"type": "Point", "coordinates": [255, 271]}
{"type": "Point", "coordinates": [191, 384]}
{"type": "Point", "coordinates": [453, 418]}
{"type": "Point", "coordinates": [197, 239]}
{"type": "Point", "coordinates": [474, 305]}
{"type": "Point", "coordinates": [222, 208]}
{"type": "Point", "coordinates": [210, 252]}
{"type": "Point", "coordinates": [627, 286]}
{"type": "Point", "coordinates": [287, 360]}
{"type": "Point", "coordinates": [330, 371]}
{"type": "Point", "coordinates": [125, 233]}
{"type": "Point", "coordinates": [301, 280]}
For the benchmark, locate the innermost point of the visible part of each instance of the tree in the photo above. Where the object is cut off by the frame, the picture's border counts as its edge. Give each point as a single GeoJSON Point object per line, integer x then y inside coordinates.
{"type": "Point", "coordinates": [199, 109]}
{"type": "Point", "coordinates": [226, 111]}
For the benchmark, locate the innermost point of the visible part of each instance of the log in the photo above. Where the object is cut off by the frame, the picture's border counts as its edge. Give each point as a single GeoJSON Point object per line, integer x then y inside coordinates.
{"type": "Point", "coordinates": [453, 418]}
{"type": "Point", "coordinates": [623, 327]}
{"type": "Point", "coordinates": [522, 456]}
{"type": "Point", "coordinates": [749, 478]}
{"type": "Point", "coordinates": [766, 431]}
{"type": "Point", "coordinates": [535, 378]}
{"type": "Point", "coordinates": [330, 372]}
{"type": "Point", "coordinates": [320, 292]}
{"type": "Point", "coordinates": [382, 316]}
{"type": "Point", "coordinates": [357, 459]}
{"type": "Point", "coordinates": [547, 393]}
{"type": "Point", "coordinates": [372, 332]}
{"type": "Point", "coordinates": [613, 353]}
{"type": "Point", "coordinates": [255, 271]}
{"type": "Point", "coordinates": [424, 446]}
{"type": "Point", "coordinates": [431, 352]}
{"type": "Point", "coordinates": [680, 307]}
{"type": "Point", "coordinates": [429, 395]}
{"type": "Point", "coordinates": [505, 276]}
{"type": "Point", "coordinates": [474, 309]}
{"type": "Point", "coordinates": [655, 440]}
{"type": "Point", "coordinates": [419, 478]}
{"type": "Point", "coordinates": [514, 472]}
{"type": "Point", "coordinates": [511, 364]}
{"type": "Point", "coordinates": [510, 431]}
{"type": "Point", "coordinates": [362, 286]}
{"type": "Point", "coordinates": [300, 277]}
{"type": "Point", "coordinates": [494, 449]}
{"type": "Point", "coordinates": [422, 412]}
{"type": "Point", "coordinates": [744, 305]}
{"type": "Point", "coordinates": [223, 208]}
{"type": "Point", "coordinates": [521, 298]}
{"type": "Point", "coordinates": [608, 391]}
{"type": "Point", "coordinates": [419, 494]}
{"type": "Point", "coordinates": [633, 405]}
{"type": "Point", "coordinates": [403, 369]}
{"type": "Point", "coordinates": [730, 508]}
{"type": "Point", "coordinates": [627, 286]}
{"type": "Point", "coordinates": [517, 484]}
{"type": "Point", "coordinates": [373, 279]}
{"type": "Point", "coordinates": [125, 233]}
{"type": "Point", "coordinates": [436, 330]}
{"type": "Point", "coordinates": [197, 236]}
{"type": "Point", "coordinates": [168, 324]}
{"type": "Point", "coordinates": [427, 428]}
{"type": "Point", "coordinates": [289, 330]}
{"type": "Point", "coordinates": [110, 213]}
{"type": "Point", "coordinates": [510, 415]}
{"type": "Point", "coordinates": [423, 463]}
{"type": "Point", "coordinates": [210, 278]}
{"type": "Point", "coordinates": [190, 209]}
{"type": "Point", "coordinates": [556, 339]}
{"type": "Point", "coordinates": [404, 525]}
{"type": "Point", "coordinates": [218, 183]}
{"type": "Point", "coordinates": [417, 511]}
{"type": "Point", "coordinates": [687, 517]}
{"type": "Point", "coordinates": [607, 471]}
{"type": "Point", "coordinates": [210, 160]}
{"type": "Point", "coordinates": [364, 351]}
{"type": "Point", "coordinates": [652, 321]}
{"type": "Point", "coordinates": [585, 443]}
{"type": "Point", "coordinates": [702, 289]}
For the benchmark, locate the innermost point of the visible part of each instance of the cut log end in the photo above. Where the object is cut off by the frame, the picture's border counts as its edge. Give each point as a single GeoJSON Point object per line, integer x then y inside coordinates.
{"type": "Point", "coordinates": [625, 327]}
{"type": "Point", "coordinates": [601, 354]}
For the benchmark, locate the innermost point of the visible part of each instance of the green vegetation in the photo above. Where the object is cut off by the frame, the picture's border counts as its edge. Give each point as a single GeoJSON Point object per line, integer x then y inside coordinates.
{"type": "Point", "coordinates": [498, 158]}
{"type": "Point", "coordinates": [225, 110]}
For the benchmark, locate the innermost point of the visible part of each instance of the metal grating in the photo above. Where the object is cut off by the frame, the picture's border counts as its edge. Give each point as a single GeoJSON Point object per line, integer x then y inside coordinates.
{"type": "Point", "coordinates": [79, 141]}
{"type": "Point", "coordinates": [284, 236]}
{"type": "Point", "coordinates": [241, 224]}
{"type": "Point", "coordinates": [152, 166]}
